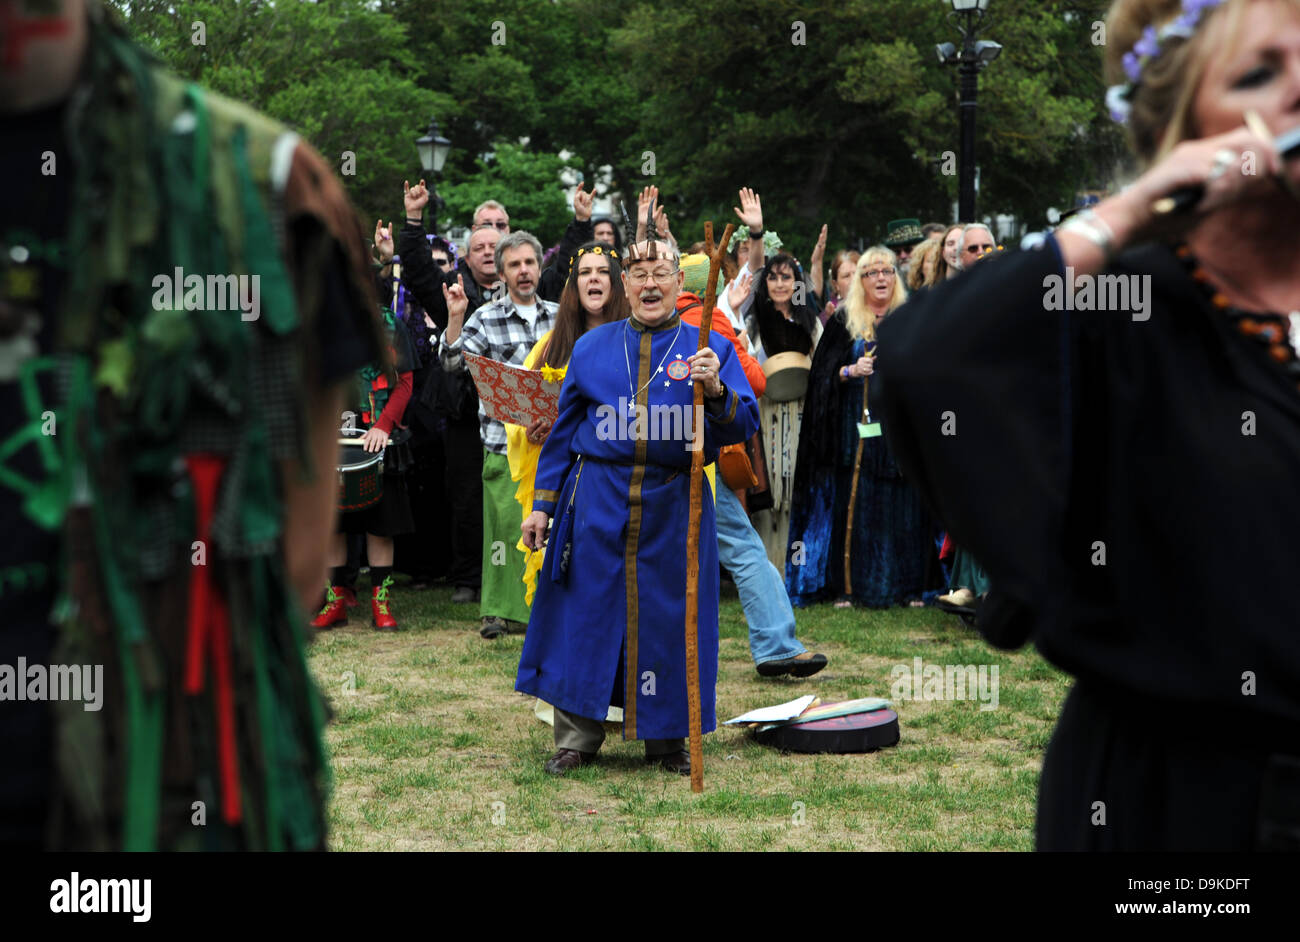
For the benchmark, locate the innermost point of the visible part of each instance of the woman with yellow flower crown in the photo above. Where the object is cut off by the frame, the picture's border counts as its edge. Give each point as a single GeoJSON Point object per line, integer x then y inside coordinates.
{"type": "Point", "coordinates": [593, 295]}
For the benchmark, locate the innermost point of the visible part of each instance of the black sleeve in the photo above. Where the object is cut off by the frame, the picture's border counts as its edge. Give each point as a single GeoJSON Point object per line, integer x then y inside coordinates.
{"type": "Point", "coordinates": [576, 233]}
{"type": "Point", "coordinates": [819, 430]}
{"type": "Point", "coordinates": [420, 275]}
{"type": "Point", "coordinates": [551, 283]}
{"type": "Point", "coordinates": [972, 386]}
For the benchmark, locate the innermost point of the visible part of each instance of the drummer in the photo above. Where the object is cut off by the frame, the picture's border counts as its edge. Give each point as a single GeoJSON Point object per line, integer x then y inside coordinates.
{"type": "Point", "coordinates": [381, 408]}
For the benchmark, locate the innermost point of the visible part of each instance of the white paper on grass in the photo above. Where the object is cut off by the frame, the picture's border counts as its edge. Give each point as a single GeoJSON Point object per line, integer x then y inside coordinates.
{"type": "Point", "coordinates": [774, 714]}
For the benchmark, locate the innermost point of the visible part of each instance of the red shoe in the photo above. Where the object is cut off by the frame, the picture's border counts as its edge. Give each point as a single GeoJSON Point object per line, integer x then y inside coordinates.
{"type": "Point", "coordinates": [335, 611]}
{"type": "Point", "coordinates": [379, 614]}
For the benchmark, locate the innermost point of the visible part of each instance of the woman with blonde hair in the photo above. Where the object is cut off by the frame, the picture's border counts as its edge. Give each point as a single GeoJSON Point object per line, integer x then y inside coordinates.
{"type": "Point", "coordinates": [1124, 463]}
{"type": "Point", "coordinates": [886, 556]}
{"type": "Point", "coordinates": [925, 260]}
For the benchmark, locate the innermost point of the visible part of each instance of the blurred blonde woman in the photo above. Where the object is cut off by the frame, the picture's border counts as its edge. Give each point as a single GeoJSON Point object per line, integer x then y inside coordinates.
{"type": "Point", "coordinates": [1125, 468]}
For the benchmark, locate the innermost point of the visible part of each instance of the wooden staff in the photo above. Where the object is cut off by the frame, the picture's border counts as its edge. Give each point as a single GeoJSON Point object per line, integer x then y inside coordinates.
{"type": "Point", "coordinates": [716, 255]}
{"type": "Point", "coordinates": [853, 498]}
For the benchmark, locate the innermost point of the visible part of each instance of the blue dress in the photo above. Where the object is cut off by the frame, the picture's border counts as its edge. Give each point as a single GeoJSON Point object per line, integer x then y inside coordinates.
{"type": "Point", "coordinates": [892, 532]}
{"type": "Point", "coordinates": [608, 621]}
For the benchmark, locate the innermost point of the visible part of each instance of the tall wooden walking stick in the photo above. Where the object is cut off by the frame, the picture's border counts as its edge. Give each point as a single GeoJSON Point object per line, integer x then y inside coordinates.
{"type": "Point", "coordinates": [716, 254]}
{"type": "Point", "coordinates": [853, 495]}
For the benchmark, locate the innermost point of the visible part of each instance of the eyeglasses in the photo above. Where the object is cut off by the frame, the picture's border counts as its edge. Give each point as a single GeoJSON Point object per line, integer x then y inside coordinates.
{"type": "Point", "coordinates": [877, 272]}
{"type": "Point", "coordinates": [500, 224]}
{"type": "Point", "coordinates": [661, 275]}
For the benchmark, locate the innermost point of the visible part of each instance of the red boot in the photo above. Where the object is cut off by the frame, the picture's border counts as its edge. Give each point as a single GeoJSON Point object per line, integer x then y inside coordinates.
{"type": "Point", "coordinates": [379, 614]}
{"type": "Point", "coordinates": [335, 611]}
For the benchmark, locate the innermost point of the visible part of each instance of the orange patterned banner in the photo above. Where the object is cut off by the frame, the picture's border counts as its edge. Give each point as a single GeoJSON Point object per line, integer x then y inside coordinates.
{"type": "Point", "coordinates": [512, 393]}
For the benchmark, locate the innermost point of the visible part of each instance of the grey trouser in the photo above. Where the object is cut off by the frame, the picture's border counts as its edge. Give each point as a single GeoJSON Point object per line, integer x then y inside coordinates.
{"type": "Point", "coordinates": [585, 735]}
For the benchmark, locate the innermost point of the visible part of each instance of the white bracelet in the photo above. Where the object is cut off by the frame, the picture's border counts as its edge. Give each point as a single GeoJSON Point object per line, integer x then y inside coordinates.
{"type": "Point", "coordinates": [1093, 228]}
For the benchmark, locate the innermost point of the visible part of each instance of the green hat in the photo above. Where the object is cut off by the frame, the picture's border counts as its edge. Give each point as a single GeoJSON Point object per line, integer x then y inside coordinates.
{"type": "Point", "coordinates": [904, 233]}
{"type": "Point", "coordinates": [696, 268]}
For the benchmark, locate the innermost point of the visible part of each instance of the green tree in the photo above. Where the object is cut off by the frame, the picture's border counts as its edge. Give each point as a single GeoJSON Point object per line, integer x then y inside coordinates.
{"type": "Point", "coordinates": [340, 72]}
{"type": "Point", "coordinates": [527, 183]}
{"type": "Point", "coordinates": [841, 113]}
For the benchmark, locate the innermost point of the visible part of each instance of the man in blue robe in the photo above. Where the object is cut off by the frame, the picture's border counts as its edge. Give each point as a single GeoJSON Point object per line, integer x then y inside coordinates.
{"type": "Point", "coordinates": [607, 623]}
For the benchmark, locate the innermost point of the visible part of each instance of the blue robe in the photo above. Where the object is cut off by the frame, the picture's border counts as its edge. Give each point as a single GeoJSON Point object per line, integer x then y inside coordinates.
{"type": "Point", "coordinates": [608, 622]}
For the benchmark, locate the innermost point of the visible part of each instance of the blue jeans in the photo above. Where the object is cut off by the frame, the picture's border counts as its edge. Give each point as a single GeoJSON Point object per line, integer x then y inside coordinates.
{"type": "Point", "coordinates": [762, 590]}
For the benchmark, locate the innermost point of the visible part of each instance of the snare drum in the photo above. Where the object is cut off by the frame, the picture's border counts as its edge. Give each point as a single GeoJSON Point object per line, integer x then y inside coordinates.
{"type": "Point", "coordinates": [361, 473]}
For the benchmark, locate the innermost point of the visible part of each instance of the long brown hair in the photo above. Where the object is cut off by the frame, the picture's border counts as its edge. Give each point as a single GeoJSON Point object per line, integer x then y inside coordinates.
{"type": "Point", "coordinates": [916, 268]}
{"type": "Point", "coordinates": [571, 319]}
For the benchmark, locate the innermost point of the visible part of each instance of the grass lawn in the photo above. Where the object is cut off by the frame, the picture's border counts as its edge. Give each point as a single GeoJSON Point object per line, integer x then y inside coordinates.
{"type": "Point", "coordinates": [432, 749]}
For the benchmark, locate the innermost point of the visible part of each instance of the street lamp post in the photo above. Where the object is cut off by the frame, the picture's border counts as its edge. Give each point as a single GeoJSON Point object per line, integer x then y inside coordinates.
{"type": "Point", "coordinates": [433, 149]}
{"type": "Point", "coordinates": [968, 16]}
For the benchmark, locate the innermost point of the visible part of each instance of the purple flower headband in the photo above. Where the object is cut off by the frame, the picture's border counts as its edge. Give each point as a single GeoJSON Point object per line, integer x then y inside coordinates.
{"type": "Point", "coordinates": [1119, 97]}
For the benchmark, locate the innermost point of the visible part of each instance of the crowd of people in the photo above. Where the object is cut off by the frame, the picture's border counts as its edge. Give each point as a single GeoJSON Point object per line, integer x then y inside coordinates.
{"type": "Point", "coordinates": [176, 526]}
{"type": "Point", "coordinates": [834, 521]}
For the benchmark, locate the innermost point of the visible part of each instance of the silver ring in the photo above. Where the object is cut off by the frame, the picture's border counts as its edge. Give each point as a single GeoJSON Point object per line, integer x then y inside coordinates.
{"type": "Point", "coordinates": [1223, 160]}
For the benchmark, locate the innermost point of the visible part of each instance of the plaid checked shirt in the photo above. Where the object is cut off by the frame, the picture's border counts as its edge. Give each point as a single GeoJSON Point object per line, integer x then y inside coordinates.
{"type": "Point", "coordinates": [496, 330]}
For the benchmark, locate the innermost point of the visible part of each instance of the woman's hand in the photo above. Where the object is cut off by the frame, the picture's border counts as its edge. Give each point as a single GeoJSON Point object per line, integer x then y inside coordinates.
{"type": "Point", "coordinates": [862, 366]}
{"type": "Point", "coordinates": [647, 198]}
{"type": "Point", "coordinates": [739, 289]}
{"type": "Point", "coordinates": [750, 210]}
{"type": "Point", "coordinates": [819, 250]}
{"type": "Point", "coordinates": [534, 530]}
{"type": "Point", "coordinates": [1230, 167]}
{"type": "Point", "coordinates": [704, 370]}
{"type": "Point", "coordinates": [375, 439]}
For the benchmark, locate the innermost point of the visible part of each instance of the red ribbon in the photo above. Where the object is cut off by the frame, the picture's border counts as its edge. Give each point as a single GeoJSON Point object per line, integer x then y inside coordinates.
{"type": "Point", "coordinates": [209, 632]}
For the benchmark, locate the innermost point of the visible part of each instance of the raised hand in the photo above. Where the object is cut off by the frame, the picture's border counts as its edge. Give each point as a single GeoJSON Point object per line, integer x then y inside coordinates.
{"type": "Point", "coordinates": [750, 210]}
{"type": "Point", "coordinates": [819, 250]}
{"type": "Point", "coordinates": [661, 224]}
{"type": "Point", "coordinates": [739, 289]}
{"type": "Point", "coordinates": [457, 302]}
{"type": "Point", "coordinates": [415, 197]}
{"type": "Point", "coordinates": [384, 241]}
{"type": "Point", "coordinates": [648, 195]}
{"type": "Point", "coordinates": [582, 203]}
{"type": "Point", "coordinates": [647, 198]}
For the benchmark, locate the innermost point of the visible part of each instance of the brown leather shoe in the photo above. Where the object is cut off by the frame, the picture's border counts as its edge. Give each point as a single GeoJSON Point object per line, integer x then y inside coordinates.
{"type": "Point", "coordinates": [566, 760]}
{"type": "Point", "coordinates": [679, 761]}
